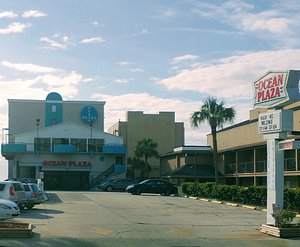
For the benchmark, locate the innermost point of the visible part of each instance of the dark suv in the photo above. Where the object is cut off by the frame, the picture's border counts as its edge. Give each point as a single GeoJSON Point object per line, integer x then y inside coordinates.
{"type": "Point", "coordinates": [116, 184]}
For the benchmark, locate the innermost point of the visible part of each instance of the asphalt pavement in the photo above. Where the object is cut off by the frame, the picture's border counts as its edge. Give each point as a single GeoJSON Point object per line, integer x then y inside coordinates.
{"type": "Point", "coordinates": [108, 219]}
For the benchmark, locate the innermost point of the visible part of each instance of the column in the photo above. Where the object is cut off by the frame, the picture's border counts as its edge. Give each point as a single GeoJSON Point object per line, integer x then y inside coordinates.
{"type": "Point", "coordinates": [275, 178]}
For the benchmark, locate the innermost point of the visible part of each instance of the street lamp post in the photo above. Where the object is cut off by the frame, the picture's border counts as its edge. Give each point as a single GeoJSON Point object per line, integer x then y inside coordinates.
{"type": "Point", "coordinates": [195, 168]}
{"type": "Point", "coordinates": [91, 137]}
{"type": "Point", "coordinates": [37, 134]}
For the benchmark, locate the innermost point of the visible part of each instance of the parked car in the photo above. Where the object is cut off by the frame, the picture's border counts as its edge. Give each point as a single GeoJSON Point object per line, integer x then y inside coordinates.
{"type": "Point", "coordinates": [156, 186]}
{"type": "Point", "coordinates": [13, 191]}
{"type": "Point", "coordinates": [34, 195]}
{"type": "Point", "coordinates": [8, 209]}
{"type": "Point", "coordinates": [116, 184]}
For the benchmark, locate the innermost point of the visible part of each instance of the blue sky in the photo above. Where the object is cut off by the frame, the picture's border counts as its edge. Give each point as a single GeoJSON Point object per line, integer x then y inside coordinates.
{"type": "Point", "coordinates": [152, 56]}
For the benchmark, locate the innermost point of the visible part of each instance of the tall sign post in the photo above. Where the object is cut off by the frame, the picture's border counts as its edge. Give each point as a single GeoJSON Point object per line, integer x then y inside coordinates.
{"type": "Point", "coordinates": [273, 91]}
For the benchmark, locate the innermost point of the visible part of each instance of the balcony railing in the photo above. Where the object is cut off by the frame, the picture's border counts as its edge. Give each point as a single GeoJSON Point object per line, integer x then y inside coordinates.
{"type": "Point", "coordinates": [260, 166]}
{"type": "Point", "coordinates": [12, 148]}
{"type": "Point", "coordinates": [246, 167]}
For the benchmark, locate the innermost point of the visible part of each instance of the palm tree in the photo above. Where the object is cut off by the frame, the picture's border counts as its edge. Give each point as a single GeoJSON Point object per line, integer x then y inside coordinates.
{"type": "Point", "coordinates": [135, 164]}
{"type": "Point", "coordinates": [146, 148]}
{"type": "Point", "coordinates": [216, 115]}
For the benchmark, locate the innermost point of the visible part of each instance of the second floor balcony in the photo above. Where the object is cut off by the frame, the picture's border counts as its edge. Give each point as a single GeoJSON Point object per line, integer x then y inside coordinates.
{"type": "Point", "coordinates": [258, 167]}
{"type": "Point", "coordinates": [10, 149]}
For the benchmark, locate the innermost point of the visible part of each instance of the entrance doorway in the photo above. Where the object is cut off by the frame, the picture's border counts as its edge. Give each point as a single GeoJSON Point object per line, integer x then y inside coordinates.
{"type": "Point", "coordinates": [66, 180]}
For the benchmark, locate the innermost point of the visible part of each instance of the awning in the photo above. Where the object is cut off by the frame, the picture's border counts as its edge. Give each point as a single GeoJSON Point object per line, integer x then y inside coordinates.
{"type": "Point", "coordinates": [198, 171]}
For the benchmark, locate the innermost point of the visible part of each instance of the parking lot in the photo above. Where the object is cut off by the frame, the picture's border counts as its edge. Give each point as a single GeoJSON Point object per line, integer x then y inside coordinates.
{"type": "Point", "coordinates": [91, 219]}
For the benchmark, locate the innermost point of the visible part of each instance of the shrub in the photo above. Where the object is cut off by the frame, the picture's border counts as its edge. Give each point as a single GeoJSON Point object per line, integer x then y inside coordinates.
{"type": "Point", "coordinates": [284, 218]}
{"type": "Point", "coordinates": [255, 195]}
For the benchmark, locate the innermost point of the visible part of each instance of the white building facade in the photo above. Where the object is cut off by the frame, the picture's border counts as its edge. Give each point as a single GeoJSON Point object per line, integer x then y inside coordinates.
{"type": "Point", "coordinates": [61, 142]}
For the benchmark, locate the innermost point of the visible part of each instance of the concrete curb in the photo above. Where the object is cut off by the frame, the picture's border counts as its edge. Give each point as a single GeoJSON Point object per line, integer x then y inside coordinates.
{"type": "Point", "coordinates": [249, 207]}
{"type": "Point", "coordinates": [204, 200]}
{"type": "Point", "coordinates": [217, 202]}
{"type": "Point", "coordinates": [231, 204]}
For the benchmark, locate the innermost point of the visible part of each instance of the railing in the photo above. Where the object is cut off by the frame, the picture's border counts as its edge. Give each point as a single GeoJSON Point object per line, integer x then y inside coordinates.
{"type": "Point", "coordinates": [102, 176]}
{"type": "Point", "coordinates": [260, 166]}
{"type": "Point", "coordinates": [230, 168]}
{"type": "Point", "coordinates": [290, 164]}
{"type": "Point", "coordinates": [246, 167]}
{"type": "Point", "coordinates": [10, 148]}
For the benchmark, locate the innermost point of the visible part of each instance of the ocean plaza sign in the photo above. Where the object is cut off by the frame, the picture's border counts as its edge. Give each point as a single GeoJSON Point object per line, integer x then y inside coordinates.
{"type": "Point", "coordinates": [277, 89]}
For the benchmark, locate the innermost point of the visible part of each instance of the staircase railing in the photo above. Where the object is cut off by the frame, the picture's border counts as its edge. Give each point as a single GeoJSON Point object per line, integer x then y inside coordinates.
{"type": "Point", "coordinates": [97, 180]}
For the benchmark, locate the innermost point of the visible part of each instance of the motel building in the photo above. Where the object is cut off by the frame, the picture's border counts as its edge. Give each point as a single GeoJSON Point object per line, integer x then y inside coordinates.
{"type": "Point", "coordinates": [242, 148]}
{"type": "Point", "coordinates": [61, 143]}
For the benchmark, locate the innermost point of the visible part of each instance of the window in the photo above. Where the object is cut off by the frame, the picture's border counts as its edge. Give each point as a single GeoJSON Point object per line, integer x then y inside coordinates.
{"type": "Point", "coordinates": [59, 141]}
{"type": "Point", "coordinates": [95, 145]}
{"type": "Point", "coordinates": [80, 144]}
{"type": "Point", "coordinates": [42, 144]}
{"type": "Point", "coordinates": [53, 108]}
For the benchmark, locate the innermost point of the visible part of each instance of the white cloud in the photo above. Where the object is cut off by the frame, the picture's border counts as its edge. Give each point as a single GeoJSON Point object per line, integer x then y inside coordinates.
{"type": "Point", "coordinates": [58, 41]}
{"type": "Point", "coordinates": [27, 67]}
{"type": "Point", "coordinates": [66, 83]}
{"type": "Point", "coordinates": [184, 58]}
{"type": "Point", "coordinates": [269, 21]}
{"type": "Point", "coordinates": [93, 40]}
{"type": "Point", "coordinates": [33, 13]}
{"type": "Point", "coordinates": [125, 63]}
{"type": "Point", "coordinates": [143, 32]}
{"type": "Point", "coordinates": [136, 70]}
{"type": "Point", "coordinates": [121, 81]}
{"type": "Point", "coordinates": [166, 14]}
{"type": "Point", "coordinates": [8, 14]}
{"type": "Point", "coordinates": [278, 23]}
{"type": "Point", "coordinates": [97, 24]}
{"type": "Point", "coordinates": [15, 27]}
{"type": "Point", "coordinates": [231, 77]}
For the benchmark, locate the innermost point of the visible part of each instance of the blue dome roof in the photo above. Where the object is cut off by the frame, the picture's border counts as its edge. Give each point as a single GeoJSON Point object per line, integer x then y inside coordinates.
{"type": "Point", "coordinates": [54, 96]}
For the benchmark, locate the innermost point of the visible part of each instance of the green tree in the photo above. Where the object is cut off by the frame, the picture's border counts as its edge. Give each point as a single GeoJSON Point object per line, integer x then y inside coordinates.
{"type": "Point", "coordinates": [216, 114]}
{"type": "Point", "coordinates": [146, 148]}
{"type": "Point", "coordinates": [135, 164]}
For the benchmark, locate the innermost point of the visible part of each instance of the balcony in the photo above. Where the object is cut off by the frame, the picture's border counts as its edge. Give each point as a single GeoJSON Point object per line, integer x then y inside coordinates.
{"type": "Point", "coordinates": [9, 150]}
{"type": "Point", "coordinates": [114, 149]}
{"type": "Point", "coordinates": [64, 148]}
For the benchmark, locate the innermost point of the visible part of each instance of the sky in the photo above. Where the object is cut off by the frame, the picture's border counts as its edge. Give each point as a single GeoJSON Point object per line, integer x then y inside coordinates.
{"type": "Point", "coordinates": [145, 55]}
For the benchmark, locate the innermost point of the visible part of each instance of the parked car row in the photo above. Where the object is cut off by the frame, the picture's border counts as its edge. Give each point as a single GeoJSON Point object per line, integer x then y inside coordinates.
{"type": "Point", "coordinates": [16, 195]}
{"type": "Point", "coordinates": [116, 184]}
{"type": "Point", "coordinates": [156, 186]}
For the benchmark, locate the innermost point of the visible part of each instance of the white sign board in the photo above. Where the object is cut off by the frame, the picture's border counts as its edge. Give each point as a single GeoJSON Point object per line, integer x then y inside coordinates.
{"type": "Point", "coordinates": [271, 121]}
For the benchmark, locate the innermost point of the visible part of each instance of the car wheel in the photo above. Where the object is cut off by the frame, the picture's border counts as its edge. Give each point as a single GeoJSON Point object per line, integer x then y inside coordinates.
{"type": "Point", "coordinates": [109, 188]}
{"type": "Point", "coordinates": [30, 206]}
{"type": "Point", "coordinates": [167, 193]}
{"type": "Point", "coordinates": [138, 192]}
